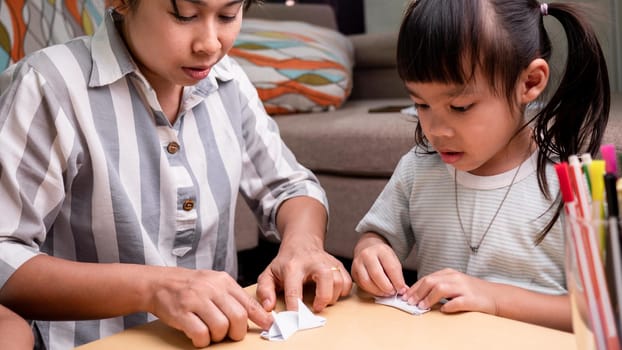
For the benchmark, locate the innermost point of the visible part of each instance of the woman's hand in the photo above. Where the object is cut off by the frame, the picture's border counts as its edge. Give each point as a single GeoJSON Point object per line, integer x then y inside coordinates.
{"type": "Point", "coordinates": [302, 259]}
{"type": "Point", "coordinates": [208, 306]}
{"type": "Point", "coordinates": [298, 265]}
{"type": "Point", "coordinates": [15, 332]}
{"type": "Point", "coordinates": [375, 268]}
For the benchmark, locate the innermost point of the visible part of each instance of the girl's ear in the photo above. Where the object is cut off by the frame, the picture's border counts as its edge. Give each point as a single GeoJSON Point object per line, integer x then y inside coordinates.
{"type": "Point", "coordinates": [533, 81]}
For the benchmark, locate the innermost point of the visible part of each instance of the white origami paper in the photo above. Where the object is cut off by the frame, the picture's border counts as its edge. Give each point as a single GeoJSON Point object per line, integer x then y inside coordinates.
{"type": "Point", "coordinates": [397, 302]}
{"type": "Point", "coordinates": [287, 323]}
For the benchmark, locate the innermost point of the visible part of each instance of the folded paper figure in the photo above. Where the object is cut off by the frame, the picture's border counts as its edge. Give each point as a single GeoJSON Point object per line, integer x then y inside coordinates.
{"type": "Point", "coordinates": [287, 323]}
{"type": "Point", "coordinates": [397, 302]}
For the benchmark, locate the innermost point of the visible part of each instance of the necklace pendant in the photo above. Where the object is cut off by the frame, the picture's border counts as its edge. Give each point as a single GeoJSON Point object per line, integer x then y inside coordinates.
{"type": "Point", "coordinates": [475, 249]}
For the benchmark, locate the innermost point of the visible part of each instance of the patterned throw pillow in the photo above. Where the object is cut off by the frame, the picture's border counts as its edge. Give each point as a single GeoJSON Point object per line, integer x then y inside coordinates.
{"type": "Point", "coordinates": [29, 25]}
{"type": "Point", "coordinates": [295, 66]}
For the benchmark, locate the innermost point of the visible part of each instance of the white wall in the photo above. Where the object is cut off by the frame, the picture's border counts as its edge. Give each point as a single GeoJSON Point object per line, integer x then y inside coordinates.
{"type": "Point", "coordinates": [606, 16]}
{"type": "Point", "coordinates": [616, 32]}
{"type": "Point", "coordinates": [385, 16]}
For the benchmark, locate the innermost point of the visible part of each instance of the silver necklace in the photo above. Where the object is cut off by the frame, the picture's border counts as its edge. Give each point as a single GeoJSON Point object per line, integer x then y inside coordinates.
{"type": "Point", "coordinates": [475, 248]}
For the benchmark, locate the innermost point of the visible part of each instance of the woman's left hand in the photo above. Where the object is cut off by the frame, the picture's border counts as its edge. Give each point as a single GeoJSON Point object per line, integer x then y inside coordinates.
{"type": "Point", "coordinates": [296, 265]}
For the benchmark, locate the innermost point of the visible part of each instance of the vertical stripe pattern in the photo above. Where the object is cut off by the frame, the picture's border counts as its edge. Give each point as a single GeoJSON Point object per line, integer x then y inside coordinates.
{"type": "Point", "coordinates": [92, 171]}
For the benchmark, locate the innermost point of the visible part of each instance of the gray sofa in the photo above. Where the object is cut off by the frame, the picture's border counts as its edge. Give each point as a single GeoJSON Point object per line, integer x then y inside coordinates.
{"type": "Point", "coordinates": [352, 151]}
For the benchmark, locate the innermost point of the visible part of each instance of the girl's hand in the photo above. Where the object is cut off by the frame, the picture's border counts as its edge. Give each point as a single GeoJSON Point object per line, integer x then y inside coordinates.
{"type": "Point", "coordinates": [375, 268]}
{"type": "Point", "coordinates": [460, 291]}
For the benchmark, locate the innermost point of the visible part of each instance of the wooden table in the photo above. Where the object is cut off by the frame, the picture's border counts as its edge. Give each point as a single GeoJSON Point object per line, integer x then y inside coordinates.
{"type": "Point", "coordinates": [356, 322]}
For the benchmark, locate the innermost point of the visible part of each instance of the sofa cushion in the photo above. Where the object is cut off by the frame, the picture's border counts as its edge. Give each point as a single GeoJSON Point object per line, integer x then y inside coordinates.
{"type": "Point", "coordinates": [375, 50]}
{"type": "Point", "coordinates": [321, 15]}
{"type": "Point", "coordinates": [295, 66]}
{"type": "Point", "coordinates": [27, 26]}
{"type": "Point", "coordinates": [350, 140]}
{"type": "Point", "coordinates": [374, 54]}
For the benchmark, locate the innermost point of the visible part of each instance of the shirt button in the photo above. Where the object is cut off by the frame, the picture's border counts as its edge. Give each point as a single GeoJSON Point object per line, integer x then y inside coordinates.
{"type": "Point", "coordinates": [188, 205]}
{"type": "Point", "coordinates": [172, 147]}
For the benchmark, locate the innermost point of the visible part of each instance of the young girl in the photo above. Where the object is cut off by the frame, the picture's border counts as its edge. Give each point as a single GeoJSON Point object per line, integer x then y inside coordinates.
{"type": "Point", "coordinates": [122, 158]}
{"type": "Point", "coordinates": [478, 197]}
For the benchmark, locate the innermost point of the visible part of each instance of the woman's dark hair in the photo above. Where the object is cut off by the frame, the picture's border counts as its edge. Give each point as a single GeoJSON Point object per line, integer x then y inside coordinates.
{"type": "Point", "coordinates": [446, 41]}
{"type": "Point", "coordinates": [247, 4]}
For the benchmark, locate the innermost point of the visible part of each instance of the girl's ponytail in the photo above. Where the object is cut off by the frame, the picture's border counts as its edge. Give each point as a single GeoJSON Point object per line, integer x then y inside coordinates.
{"type": "Point", "coordinates": [575, 117]}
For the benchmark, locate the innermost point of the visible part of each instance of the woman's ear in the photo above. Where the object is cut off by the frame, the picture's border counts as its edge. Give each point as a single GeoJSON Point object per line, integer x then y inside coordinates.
{"type": "Point", "coordinates": [533, 80]}
{"type": "Point", "coordinates": [120, 6]}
